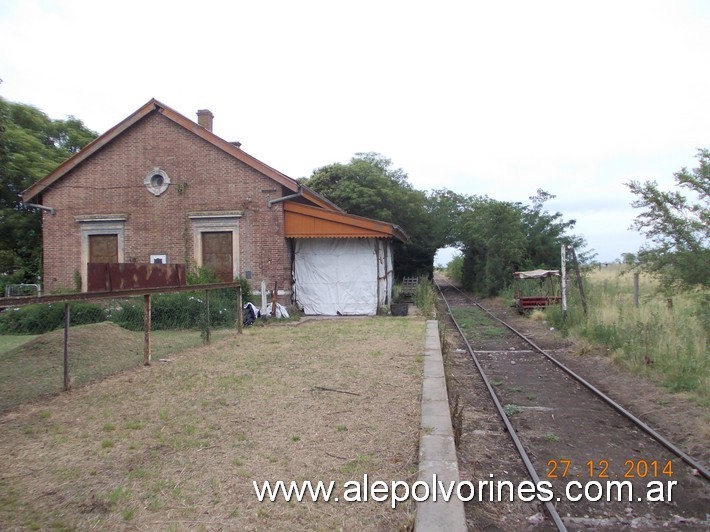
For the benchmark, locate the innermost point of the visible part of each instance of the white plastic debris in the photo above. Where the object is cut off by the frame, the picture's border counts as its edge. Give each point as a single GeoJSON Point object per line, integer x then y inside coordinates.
{"type": "Point", "coordinates": [536, 519]}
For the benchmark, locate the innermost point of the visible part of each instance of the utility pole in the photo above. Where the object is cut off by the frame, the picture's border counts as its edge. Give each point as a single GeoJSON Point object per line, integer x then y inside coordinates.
{"type": "Point", "coordinates": [580, 284]}
{"type": "Point", "coordinates": [563, 256]}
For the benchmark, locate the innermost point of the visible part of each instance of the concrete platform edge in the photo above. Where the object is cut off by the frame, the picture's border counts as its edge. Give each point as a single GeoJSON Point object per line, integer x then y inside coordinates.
{"type": "Point", "coordinates": [437, 453]}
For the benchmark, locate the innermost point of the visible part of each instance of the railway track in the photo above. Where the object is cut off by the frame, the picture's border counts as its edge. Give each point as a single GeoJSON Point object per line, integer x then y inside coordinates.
{"type": "Point", "coordinates": [574, 441]}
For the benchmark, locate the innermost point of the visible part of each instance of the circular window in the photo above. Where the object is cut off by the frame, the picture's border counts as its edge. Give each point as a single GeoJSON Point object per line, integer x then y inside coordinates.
{"type": "Point", "coordinates": [156, 181]}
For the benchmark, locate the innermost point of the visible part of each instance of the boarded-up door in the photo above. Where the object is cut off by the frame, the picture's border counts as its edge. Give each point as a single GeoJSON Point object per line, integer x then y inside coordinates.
{"type": "Point", "coordinates": [217, 254]}
{"type": "Point", "coordinates": [103, 248]}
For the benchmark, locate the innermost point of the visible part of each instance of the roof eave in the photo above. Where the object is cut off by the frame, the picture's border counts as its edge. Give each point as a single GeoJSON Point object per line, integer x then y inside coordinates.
{"type": "Point", "coordinates": [88, 150]}
{"type": "Point", "coordinates": [145, 110]}
{"type": "Point", "coordinates": [371, 228]}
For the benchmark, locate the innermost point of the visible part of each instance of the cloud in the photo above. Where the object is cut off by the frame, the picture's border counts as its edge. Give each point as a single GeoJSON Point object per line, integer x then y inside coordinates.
{"type": "Point", "coordinates": [496, 98]}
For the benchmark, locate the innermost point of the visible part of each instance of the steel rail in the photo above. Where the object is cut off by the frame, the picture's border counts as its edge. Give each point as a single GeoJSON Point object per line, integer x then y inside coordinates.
{"type": "Point", "coordinates": [703, 471]}
{"type": "Point", "coordinates": [551, 510]}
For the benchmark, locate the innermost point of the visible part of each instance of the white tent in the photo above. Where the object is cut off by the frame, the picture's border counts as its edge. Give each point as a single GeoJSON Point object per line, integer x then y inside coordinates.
{"type": "Point", "coordinates": [342, 276]}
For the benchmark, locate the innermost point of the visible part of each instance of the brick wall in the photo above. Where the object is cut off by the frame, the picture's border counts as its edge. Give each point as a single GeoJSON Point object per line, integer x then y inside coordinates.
{"type": "Point", "coordinates": [203, 178]}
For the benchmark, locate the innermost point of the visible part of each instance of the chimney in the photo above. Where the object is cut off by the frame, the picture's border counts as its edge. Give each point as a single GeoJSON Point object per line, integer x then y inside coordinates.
{"type": "Point", "coordinates": [204, 118]}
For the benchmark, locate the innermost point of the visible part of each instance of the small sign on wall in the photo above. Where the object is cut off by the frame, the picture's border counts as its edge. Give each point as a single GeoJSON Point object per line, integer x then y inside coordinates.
{"type": "Point", "coordinates": [158, 259]}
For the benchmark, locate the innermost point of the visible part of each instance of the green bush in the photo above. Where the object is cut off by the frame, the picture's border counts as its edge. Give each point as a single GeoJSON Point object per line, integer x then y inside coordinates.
{"type": "Point", "coordinates": [202, 275]}
{"type": "Point", "coordinates": [129, 314]}
{"type": "Point", "coordinates": [181, 310]}
{"type": "Point", "coordinates": [38, 319]}
{"type": "Point", "coordinates": [454, 269]}
{"type": "Point", "coordinates": [247, 296]}
{"type": "Point", "coordinates": [425, 298]}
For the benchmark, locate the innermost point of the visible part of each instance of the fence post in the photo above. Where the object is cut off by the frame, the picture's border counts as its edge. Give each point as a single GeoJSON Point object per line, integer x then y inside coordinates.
{"type": "Point", "coordinates": [580, 285]}
{"type": "Point", "coordinates": [146, 330]}
{"type": "Point", "coordinates": [240, 312]}
{"type": "Point", "coordinates": [563, 281]}
{"type": "Point", "coordinates": [67, 320]}
{"type": "Point", "coordinates": [636, 289]}
{"type": "Point", "coordinates": [273, 299]}
{"type": "Point", "coordinates": [206, 337]}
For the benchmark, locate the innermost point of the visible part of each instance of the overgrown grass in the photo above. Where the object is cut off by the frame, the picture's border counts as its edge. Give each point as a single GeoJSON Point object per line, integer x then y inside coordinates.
{"type": "Point", "coordinates": [425, 298]}
{"type": "Point", "coordinates": [33, 367]}
{"type": "Point", "coordinates": [668, 345]}
{"type": "Point", "coordinates": [454, 269]}
{"type": "Point", "coordinates": [476, 324]}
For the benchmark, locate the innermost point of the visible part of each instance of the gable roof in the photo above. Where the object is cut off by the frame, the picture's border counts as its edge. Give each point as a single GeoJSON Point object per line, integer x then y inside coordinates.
{"type": "Point", "coordinates": [154, 106]}
{"type": "Point", "coordinates": [305, 221]}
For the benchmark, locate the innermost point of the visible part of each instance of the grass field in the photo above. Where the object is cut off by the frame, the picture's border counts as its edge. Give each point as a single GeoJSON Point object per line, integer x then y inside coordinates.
{"type": "Point", "coordinates": [177, 445]}
{"type": "Point", "coordinates": [9, 342]}
{"type": "Point", "coordinates": [32, 366]}
{"type": "Point", "coordinates": [667, 345]}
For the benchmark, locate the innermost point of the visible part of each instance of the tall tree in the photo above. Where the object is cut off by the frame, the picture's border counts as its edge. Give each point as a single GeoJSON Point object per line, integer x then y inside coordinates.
{"type": "Point", "coordinates": [31, 146]}
{"type": "Point", "coordinates": [446, 209]}
{"type": "Point", "coordinates": [677, 224]}
{"type": "Point", "coordinates": [370, 186]}
{"type": "Point", "coordinates": [493, 244]}
{"type": "Point", "coordinates": [545, 232]}
{"type": "Point", "coordinates": [499, 238]}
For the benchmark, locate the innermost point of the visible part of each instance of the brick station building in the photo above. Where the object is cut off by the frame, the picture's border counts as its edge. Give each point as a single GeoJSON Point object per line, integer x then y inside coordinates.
{"type": "Point", "coordinates": [160, 188]}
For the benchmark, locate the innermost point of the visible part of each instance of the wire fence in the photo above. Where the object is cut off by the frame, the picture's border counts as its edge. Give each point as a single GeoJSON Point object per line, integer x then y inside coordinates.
{"type": "Point", "coordinates": [54, 343]}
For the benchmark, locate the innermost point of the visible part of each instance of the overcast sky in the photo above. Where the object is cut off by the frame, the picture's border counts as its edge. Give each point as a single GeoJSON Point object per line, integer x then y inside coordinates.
{"type": "Point", "coordinates": [481, 97]}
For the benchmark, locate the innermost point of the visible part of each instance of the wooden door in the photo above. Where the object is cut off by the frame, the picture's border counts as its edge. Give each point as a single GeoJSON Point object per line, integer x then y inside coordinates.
{"type": "Point", "coordinates": [217, 254]}
{"type": "Point", "coordinates": [103, 248]}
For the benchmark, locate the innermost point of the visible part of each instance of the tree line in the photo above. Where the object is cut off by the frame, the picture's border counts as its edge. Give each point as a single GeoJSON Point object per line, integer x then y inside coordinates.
{"type": "Point", "coordinates": [496, 237]}
{"type": "Point", "coordinates": [31, 146]}
{"type": "Point", "coordinates": [676, 224]}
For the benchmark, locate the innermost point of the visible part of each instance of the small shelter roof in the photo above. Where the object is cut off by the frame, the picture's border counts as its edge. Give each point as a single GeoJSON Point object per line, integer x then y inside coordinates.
{"type": "Point", "coordinates": [536, 274]}
{"type": "Point", "coordinates": [305, 221]}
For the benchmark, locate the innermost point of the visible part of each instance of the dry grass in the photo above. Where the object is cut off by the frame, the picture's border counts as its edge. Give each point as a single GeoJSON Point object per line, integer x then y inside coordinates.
{"type": "Point", "coordinates": [177, 446]}
{"type": "Point", "coordinates": [666, 345]}
{"type": "Point", "coordinates": [33, 366]}
{"type": "Point", "coordinates": [537, 315]}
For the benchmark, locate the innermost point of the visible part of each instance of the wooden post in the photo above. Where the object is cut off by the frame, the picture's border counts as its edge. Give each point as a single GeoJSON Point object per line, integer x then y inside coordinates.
{"type": "Point", "coordinates": [563, 281]}
{"type": "Point", "coordinates": [579, 280]}
{"type": "Point", "coordinates": [67, 321]}
{"type": "Point", "coordinates": [273, 299]}
{"type": "Point", "coordinates": [207, 317]}
{"type": "Point", "coordinates": [377, 261]}
{"type": "Point", "coordinates": [240, 311]}
{"type": "Point", "coordinates": [146, 330]}
{"type": "Point", "coordinates": [263, 296]}
{"type": "Point", "coordinates": [636, 289]}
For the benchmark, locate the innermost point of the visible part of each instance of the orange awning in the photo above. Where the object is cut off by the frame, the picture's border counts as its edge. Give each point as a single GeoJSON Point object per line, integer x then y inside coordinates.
{"type": "Point", "coordinates": [304, 221]}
